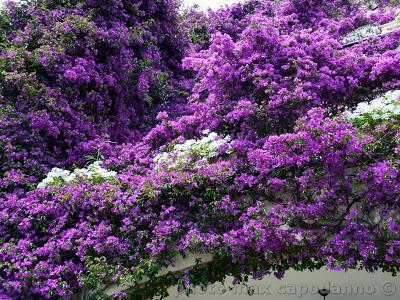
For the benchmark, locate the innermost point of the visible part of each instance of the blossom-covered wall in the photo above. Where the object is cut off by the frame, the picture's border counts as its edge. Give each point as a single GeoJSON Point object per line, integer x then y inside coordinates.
{"type": "Point", "coordinates": [132, 131]}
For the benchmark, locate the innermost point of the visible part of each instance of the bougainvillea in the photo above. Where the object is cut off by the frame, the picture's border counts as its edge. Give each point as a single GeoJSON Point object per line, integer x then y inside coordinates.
{"type": "Point", "coordinates": [78, 72]}
{"type": "Point", "coordinates": [276, 148]}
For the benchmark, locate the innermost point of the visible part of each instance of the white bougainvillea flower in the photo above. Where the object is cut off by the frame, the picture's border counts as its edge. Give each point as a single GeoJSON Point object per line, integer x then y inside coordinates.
{"type": "Point", "coordinates": [59, 176]}
{"type": "Point", "coordinates": [378, 110]}
{"type": "Point", "coordinates": [205, 148]}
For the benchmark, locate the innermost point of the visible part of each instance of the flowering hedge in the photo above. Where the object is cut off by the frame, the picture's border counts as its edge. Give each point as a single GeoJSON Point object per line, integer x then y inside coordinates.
{"type": "Point", "coordinates": [76, 73]}
{"type": "Point", "coordinates": [284, 154]}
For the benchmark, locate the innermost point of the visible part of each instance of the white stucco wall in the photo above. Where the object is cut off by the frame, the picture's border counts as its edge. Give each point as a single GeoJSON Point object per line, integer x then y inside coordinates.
{"type": "Point", "coordinates": [304, 286]}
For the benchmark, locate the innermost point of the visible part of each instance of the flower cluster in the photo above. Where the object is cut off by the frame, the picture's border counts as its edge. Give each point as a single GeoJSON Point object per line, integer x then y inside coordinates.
{"type": "Point", "coordinates": [378, 110]}
{"type": "Point", "coordinates": [209, 146]}
{"type": "Point", "coordinates": [94, 172]}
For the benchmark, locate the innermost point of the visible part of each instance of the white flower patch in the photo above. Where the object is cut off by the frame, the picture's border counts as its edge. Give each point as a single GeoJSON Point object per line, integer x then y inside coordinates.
{"type": "Point", "coordinates": [204, 148]}
{"type": "Point", "coordinates": [360, 34]}
{"type": "Point", "coordinates": [93, 172]}
{"type": "Point", "coordinates": [380, 109]}
{"type": "Point", "coordinates": [397, 15]}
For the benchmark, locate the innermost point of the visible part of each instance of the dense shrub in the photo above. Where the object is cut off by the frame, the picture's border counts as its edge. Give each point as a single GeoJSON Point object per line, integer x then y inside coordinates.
{"type": "Point", "coordinates": [78, 72]}
{"type": "Point", "coordinates": [278, 160]}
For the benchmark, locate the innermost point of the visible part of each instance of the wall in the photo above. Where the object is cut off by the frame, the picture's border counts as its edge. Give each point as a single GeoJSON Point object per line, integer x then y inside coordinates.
{"type": "Point", "coordinates": [304, 285]}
